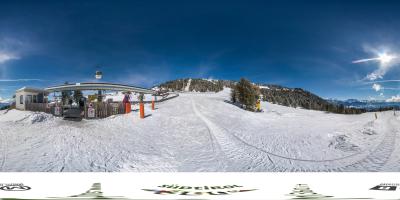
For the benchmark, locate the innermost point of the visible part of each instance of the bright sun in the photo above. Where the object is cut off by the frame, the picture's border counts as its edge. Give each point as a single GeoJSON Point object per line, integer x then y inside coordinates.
{"type": "Point", "coordinates": [385, 58]}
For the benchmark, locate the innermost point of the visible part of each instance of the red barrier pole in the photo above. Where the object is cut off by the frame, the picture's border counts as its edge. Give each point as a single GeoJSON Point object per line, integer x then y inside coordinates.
{"type": "Point", "coordinates": [142, 110]}
{"type": "Point", "coordinates": [127, 107]}
{"type": "Point", "coordinates": [152, 105]}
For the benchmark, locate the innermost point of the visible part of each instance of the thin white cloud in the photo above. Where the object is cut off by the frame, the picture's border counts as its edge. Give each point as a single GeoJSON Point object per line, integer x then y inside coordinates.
{"type": "Point", "coordinates": [364, 60]}
{"type": "Point", "coordinates": [392, 88]}
{"type": "Point", "coordinates": [11, 49]}
{"type": "Point", "coordinates": [394, 99]}
{"type": "Point", "coordinates": [374, 75]}
{"type": "Point", "coordinates": [20, 80]}
{"type": "Point", "coordinates": [4, 57]}
{"type": "Point", "coordinates": [377, 87]}
{"type": "Point", "coordinates": [383, 81]}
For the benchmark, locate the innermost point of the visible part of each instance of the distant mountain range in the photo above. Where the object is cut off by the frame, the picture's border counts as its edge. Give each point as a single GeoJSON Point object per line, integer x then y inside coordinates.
{"type": "Point", "coordinates": [369, 105]}
{"type": "Point", "coordinates": [4, 103]}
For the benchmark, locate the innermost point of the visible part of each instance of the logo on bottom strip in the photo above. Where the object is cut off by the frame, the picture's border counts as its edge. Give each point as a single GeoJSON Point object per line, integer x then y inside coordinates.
{"type": "Point", "coordinates": [198, 190]}
{"type": "Point", "coordinates": [14, 187]}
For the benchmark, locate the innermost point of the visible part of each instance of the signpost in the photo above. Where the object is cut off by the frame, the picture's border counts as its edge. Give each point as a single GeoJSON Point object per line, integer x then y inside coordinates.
{"type": "Point", "coordinates": [91, 111]}
{"type": "Point", "coordinates": [57, 111]}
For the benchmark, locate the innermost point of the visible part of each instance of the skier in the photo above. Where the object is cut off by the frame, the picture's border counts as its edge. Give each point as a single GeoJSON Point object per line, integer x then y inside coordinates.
{"type": "Point", "coordinates": [258, 105]}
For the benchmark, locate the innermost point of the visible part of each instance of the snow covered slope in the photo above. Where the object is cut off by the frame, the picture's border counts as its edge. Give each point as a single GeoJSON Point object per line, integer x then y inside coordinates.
{"type": "Point", "coordinates": [202, 132]}
{"type": "Point", "coordinates": [188, 85]}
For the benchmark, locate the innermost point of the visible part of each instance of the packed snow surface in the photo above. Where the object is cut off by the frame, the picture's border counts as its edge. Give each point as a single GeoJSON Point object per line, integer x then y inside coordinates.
{"type": "Point", "coordinates": [202, 132]}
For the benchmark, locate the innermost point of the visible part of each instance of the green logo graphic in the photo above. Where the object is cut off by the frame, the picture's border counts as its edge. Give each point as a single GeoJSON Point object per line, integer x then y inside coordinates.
{"type": "Point", "coordinates": [303, 191]}
{"type": "Point", "coordinates": [93, 193]}
{"type": "Point", "coordinates": [198, 190]}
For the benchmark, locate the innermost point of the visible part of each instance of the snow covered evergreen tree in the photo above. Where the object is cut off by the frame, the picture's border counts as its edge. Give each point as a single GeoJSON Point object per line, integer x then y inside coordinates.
{"type": "Point", "coordinates": [246, 94]}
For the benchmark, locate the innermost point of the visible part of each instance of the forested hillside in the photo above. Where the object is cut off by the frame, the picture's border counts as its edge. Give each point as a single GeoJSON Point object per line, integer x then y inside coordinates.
{"type": "Point", "coordinates": [297, 97]}
{"type": "Point", "coordinates": [196, 85]}
{"type": "Point", "coordinates": [292, 97]}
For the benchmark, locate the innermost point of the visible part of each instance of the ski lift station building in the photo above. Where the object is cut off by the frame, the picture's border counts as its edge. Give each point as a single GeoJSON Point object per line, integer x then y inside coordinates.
{"type": "Point", "coordinates": [27, 95]}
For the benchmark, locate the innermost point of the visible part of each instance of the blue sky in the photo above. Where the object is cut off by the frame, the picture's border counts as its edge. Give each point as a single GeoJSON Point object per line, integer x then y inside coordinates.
{"type": "Point", "coordinates": [307, 44]}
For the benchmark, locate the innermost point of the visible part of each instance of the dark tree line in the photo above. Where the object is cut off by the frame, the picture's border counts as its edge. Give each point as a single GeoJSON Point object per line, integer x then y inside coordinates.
{"type": "Point", "coordinates": [298, 97]}
{"type": "Point", "coordinates": [175, 85]}
{"type": "Point", "coordinates": [198, 85]}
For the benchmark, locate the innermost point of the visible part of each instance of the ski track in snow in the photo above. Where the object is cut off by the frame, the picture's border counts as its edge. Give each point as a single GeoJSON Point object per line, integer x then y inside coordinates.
{"type": "Point", "coordinates": [219, 133]}
{"type": "Point", "coordinates": [201, 132]}
{"type": "Point", "coordinates": [374, 160]}
{"type": "Point", "coordinates": [379, 157]}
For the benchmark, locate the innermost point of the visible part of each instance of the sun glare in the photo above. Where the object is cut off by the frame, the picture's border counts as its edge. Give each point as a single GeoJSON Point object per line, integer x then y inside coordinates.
{"type": "Point", "coordinates": [385, 58]}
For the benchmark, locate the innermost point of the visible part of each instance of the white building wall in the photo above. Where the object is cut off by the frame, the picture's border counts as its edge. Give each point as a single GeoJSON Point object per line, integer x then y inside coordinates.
{"type": "Point", "coordinates": [21, 105]}
{"type": "Point", "coordinates": [18, 104]}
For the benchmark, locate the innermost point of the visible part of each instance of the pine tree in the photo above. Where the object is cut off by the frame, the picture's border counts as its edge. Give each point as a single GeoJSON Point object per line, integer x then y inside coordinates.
{"type": "Point", "coordinates": [246, 94]}
{"type": "Point", "coordinates": [234, 95]}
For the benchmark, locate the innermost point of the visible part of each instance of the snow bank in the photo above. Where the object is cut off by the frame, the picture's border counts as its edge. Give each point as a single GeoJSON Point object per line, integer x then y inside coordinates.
{"type": "Point", "coordinates": [39, 117]}
{"type": "Point", "coordinates": [13, 116]}
{"type": "Point", "coordinates": [202, 132]}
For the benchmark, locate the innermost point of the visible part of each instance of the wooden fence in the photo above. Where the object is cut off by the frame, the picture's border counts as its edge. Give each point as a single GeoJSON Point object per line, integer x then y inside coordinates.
{"type": "Point", "coordinates": [103, 110]}
{"type": "Point", "coordinates": [40, 107]}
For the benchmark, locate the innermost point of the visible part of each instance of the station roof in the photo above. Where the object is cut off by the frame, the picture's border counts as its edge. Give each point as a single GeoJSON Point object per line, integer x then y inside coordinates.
{"type": "Point", "coordinates": [99, 86]}
{"type": "Point", "coordinates": [31, 89]}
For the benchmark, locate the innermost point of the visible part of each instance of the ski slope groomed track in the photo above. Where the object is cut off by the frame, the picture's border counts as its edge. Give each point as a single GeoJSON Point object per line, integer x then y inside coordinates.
{"type": "Point", "coordinates": [202, 132]}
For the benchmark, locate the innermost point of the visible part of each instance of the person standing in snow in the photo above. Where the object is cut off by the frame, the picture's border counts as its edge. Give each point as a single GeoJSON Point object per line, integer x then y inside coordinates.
{"type": "Point", "coordinates": [126, 99]}
{"type": "Point", "coordinates": [258, 105]}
